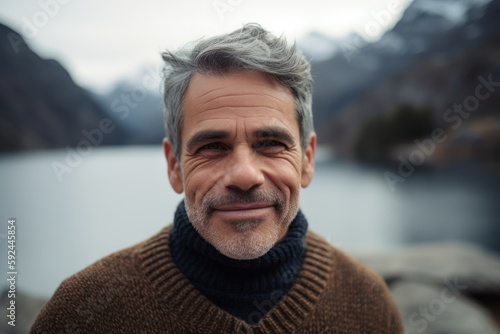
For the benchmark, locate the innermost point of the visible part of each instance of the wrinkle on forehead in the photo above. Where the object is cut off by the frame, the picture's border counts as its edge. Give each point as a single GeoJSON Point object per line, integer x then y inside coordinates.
{"type": "Point", "coordinates": [248, 99]}
{"type": "Point", "coordinates": [222, 122]}
{"type": "Point", "coordinates": [210, 89]}
{"type": "Point", "coordinates": [240, 111]}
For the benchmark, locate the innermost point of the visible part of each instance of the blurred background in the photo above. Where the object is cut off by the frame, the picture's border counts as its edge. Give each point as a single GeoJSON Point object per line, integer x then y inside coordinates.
{"type": "Point", "coordinates": [406, 107]}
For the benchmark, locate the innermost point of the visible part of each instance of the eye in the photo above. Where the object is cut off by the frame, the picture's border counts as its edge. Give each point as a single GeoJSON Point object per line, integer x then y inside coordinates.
{"type": "Point", "coordinates": [211, 146]}
{"type": "Point", "coordinates": [271, 146]}
{"type": "Point", "coordinates": [211, 149]}
{"type": "Point", "coordinates": [271, 143]}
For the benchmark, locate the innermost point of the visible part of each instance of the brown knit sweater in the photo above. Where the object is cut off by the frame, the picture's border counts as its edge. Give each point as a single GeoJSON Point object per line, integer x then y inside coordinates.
{"type": "Point", "coordinates": [141, 290]}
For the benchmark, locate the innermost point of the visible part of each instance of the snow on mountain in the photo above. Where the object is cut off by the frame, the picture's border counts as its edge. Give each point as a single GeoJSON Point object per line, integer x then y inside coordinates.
{"type": "Point", "coordinates": [454, 11]}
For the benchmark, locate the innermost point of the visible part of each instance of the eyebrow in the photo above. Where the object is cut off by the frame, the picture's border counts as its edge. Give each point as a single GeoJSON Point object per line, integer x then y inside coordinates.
{"type": "Point", "coordinates": [263, 133]}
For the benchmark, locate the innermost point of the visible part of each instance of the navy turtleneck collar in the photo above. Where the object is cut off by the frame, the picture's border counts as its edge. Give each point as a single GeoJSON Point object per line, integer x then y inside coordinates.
{"type": "Point", "coordinates": [240, 287]}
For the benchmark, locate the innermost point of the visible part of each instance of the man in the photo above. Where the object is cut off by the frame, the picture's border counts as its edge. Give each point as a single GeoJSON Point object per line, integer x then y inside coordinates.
{"type": "Point", "coordinates": [238, 257]}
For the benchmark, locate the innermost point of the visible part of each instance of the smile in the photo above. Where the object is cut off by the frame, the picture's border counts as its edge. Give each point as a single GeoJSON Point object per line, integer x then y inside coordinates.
{"type": "Point", "coordinates": [244, 211]}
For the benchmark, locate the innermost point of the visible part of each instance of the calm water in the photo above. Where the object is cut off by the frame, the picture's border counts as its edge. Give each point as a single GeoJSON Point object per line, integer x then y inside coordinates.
{"type": "Point", "coordinates": [118, 196]}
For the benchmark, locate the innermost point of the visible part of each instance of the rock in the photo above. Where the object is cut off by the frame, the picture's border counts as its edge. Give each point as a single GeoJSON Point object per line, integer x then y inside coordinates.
{"type": "Point", "coordinates": [427, 309]}
{"type": "Point", "coordinates": [434, 264]}
{"type": "Point", "coordinates": [442, 288]}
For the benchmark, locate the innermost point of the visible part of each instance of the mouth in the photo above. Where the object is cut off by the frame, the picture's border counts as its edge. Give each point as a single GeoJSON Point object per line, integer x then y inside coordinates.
{"type": "Point", "coordinates": [244, 206]}
{"type": "Point", "coordinates": [244, 211]}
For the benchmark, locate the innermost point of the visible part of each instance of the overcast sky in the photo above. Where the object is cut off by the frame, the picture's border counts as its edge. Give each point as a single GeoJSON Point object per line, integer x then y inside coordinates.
{"type": "Point", "coordinates": [101, 41]}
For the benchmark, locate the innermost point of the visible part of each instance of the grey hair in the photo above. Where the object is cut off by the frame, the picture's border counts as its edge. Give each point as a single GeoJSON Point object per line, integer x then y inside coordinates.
{"type": "Point", "coordinates": [250, 48]}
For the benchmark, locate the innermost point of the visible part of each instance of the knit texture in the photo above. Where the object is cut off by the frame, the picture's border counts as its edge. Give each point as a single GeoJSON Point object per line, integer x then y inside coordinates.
{"type": "Point", "coordinates": [238, 287]}
{"type": "Point", "coordinates": [141, 290]}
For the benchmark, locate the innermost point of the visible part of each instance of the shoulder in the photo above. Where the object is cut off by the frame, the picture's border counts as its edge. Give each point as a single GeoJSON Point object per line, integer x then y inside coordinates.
{"type": "Point", "coordinates": [110, 272]}
{"type": "Point", "coordinates": [94, 291]}
{"type": "Point", "coordinates": [355, 285]}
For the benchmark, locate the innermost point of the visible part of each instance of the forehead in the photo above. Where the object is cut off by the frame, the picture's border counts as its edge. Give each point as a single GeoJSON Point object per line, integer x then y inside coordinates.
{"type": "Point", "coordinates": [237, 96]}
{"type": "Point", "coordinates": [207, 86]}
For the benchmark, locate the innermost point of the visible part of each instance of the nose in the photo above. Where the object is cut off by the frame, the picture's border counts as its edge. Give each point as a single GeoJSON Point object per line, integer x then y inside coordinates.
{"type": "Point", "coordinates": [243, 171]}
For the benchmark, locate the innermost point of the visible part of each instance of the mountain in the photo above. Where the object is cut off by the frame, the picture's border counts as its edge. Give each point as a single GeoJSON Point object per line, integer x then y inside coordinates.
{"type": "Point", "coordinates": [431, 59]}
{"type": "Point", "coordinates": [366, 94]}
{"type": "Point", "coordinates": [41, 107]}
{"type": "Point", "coordinates": [136, 103]}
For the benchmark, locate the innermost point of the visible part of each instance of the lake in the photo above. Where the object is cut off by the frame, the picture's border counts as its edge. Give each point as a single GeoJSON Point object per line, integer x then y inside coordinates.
{"type": "Point", "coordinates": [116, 197]}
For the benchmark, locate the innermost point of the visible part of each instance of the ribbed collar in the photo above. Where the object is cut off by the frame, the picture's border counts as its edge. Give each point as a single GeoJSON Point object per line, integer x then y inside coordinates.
{"type": "Point", "coordinates": [237, 285]}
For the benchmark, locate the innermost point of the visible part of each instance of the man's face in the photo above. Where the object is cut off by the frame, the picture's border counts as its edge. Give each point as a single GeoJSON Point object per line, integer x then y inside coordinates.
{"type": "Point", "coordinates": [241, 164]}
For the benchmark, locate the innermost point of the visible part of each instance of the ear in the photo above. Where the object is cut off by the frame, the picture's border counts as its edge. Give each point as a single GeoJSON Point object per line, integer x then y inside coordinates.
{"type": "Point", "coordinates": [308, 162]}
{"type": "Point", "coordinates": [174, 168]}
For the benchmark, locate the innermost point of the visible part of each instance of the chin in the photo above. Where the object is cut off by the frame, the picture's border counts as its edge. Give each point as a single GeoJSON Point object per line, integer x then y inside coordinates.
{"type": "Point", "coordinates": [245, 245]}
{"type": "Point", "coordinates": [244, 250]}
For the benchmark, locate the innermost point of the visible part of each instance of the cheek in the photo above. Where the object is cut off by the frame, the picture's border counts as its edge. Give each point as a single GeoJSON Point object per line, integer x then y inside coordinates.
{"type": "Point", "coordinates": [285, 175]}
{"type": "Point", "coordinates": [199, 179]}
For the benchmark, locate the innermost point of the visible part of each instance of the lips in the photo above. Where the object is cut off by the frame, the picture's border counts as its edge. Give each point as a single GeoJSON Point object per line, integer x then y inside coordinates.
{"type": "Point", "coordinates": [244, 211]}
{"type": "Point", "coordinates": [242, 207]}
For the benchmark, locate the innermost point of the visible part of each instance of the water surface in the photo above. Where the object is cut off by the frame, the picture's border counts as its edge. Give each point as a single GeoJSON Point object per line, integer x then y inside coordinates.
{"type": "Point", "coordinates": [117, 197]}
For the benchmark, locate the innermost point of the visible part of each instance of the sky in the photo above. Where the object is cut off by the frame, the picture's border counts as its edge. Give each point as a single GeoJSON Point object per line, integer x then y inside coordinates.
{"type": "Point", "coordinates": [102, 41]}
